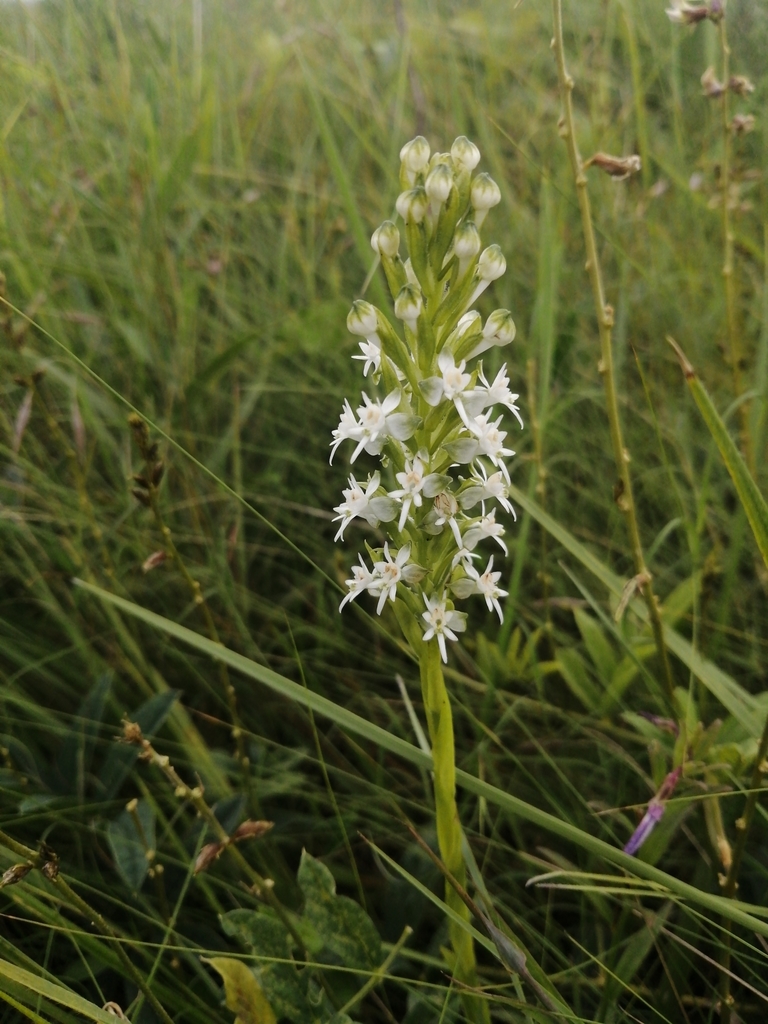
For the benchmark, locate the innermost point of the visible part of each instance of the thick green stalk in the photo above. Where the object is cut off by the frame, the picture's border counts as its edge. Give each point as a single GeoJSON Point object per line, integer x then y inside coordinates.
{"type": "Point", "coordinates": [623, 494]}
{"type": "Point", "coordinates": [437, 707]}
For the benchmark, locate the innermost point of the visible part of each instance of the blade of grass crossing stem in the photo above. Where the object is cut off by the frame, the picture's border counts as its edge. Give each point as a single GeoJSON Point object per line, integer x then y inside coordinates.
{"type": "Point", "coordinates": [753, 502]}
{"type": "Point", "coordinates": [740, 913]}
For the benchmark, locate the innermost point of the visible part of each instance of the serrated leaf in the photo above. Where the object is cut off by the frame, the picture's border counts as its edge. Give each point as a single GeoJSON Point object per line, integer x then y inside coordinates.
{"type": "Point", "coordinates": [242, 991]}
{"type": "Point", "coordinates": [129, 846]}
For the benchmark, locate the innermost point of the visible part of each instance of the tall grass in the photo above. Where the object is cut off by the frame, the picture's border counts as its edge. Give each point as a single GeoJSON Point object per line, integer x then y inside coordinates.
{"type": "Point", "coordinates": [187, 195]}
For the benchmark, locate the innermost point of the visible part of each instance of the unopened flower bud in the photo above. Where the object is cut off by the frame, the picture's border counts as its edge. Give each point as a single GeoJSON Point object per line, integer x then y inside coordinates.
{"type": "Point", "coordinates": [491, 264]}
{"type": "Point", "coordinates": [362, 319]}
{"type": "Point", "coordinates": [415, 154]}
{"type": "Point", "coordinates": [439, 183]}
{"type": "Point", "coordinates": [412, 205]}
{"type": "Point", "coordinates": [386, 239]}
{"type": "Point", "coordinates": [409, 304]}
{"type": "Point", "coordinates": [466, 241]}
{"type": "Point", "coordinates": [485, 192]}
{"type": "Point", "coordinates": [500, 327]}
{"type": "Point", "coordinates": [465, 153]}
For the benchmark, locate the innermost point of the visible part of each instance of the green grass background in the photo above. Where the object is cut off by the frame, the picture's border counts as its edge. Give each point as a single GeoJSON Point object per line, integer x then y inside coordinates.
{"type": "Point", "coordinates": [188, 190]}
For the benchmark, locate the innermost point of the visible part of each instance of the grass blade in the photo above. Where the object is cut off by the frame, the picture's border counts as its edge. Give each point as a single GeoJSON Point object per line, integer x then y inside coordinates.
{"type": "Point", "coordinates": [740, 913]}
{"type": "Point", "coordinates": [753, 502]}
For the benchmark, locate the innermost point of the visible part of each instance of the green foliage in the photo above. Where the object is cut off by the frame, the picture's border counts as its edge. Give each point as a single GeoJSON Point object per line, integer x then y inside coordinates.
{"type": "Point", "coordinates": [334, 930]}
{"type": "Point", "coordinates": [186, 194]}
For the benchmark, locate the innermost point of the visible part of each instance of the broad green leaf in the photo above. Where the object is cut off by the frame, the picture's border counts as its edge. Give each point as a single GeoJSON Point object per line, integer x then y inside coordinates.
{"type": "Point", "coordinates": [732, 910]}
{"type": "Point", "coordinates": [243, 993]}
{"type": "Point", "coordinates": [129, 843]}
{"type": "Point", "coordinates": [753, 502]}
{"type": "Point", "coordinates": [267, 937]}
{"type": "Point", "coordinates": [56, 993]}
{"type": "Point", "coordinates": [347, 932]}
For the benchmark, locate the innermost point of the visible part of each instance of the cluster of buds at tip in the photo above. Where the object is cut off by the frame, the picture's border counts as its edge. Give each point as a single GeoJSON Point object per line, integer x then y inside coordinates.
{"type": "Point", "coordinates": [437, 426]}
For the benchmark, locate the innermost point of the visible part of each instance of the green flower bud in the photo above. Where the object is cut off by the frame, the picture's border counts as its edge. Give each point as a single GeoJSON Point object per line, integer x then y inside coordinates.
{"type": "Point", "coordinates": [491, 264]}
{"type": "Point", "coordinates": [439, 184]}
{"type": "Point", "coordinates": [409, 304]}
{"type": "Point", "coordinates": [466, 244]}
{"type": "Point", "coordinates": [499, 330]}
{"type": "Point", "coordinates": [414, 157]}
{"type": "Point", "coordinates": [484, 194]}
{"type": "Point", "coordinates": [412, 205]}
{"type": "Point", "coordinates": [465, 154]}
{"type": "Point", "coordinates": [362, 319]}
{"type": "Point", "coordinates": [500, 327]}
{"type": "Point", "coordinates": [386, 239]}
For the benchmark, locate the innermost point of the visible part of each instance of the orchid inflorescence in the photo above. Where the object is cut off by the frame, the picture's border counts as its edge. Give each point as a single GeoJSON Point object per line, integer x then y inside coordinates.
{"type": "Point", "coordinates": [441, 445]}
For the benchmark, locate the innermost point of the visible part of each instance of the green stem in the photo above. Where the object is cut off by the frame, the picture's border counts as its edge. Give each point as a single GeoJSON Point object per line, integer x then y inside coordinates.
{"type": "Point", "coordinates": [38, 860]}
{"type": "Point", "coordinates": [624, 497]}
{"type": "Point", "coordinates": [437, 707]}
{"type": "Point", "coordinates": [734, 341]}
{"type": "Point", "coordinates": [732, 880]}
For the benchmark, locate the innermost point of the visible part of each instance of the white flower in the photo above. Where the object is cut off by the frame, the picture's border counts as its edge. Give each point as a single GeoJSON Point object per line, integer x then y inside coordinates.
{"type": "Point", "coordinates": [415, 157]}
{"type": "Point", "coordinates": [499, 330]}
{"type": "Point", "coordinates": [450, 384]}
{"type": "Point", "coordinates": [386, 240]}
{"type": "Point", "coordinates": [347, 430]}
{"type": "Point", "coordinates": [488, 395]}
{"type": "Point", "coordinates": [442, 623]}
{"type": "Point", "coordinates": [491, 440]}
{"type": "Point", "coordinates": [371, 357]}
{"type": "Point", "coordinates": [411, 482]}
{"type": "Point", "coordinates": [363, 503]}
{"type": "Point", "coordinates": [446, 508]}
{"type": "Point", "coordinates": [485, 488]}
{"type": "Point", "coordinates": [487, 585]}
{"type": "Point", "coordinates": [362, 579]}
{"type": "Point", "coordinates": [490, 267]}
{"type": "Point", "coordinates": [372, 428]}
{"type": "Point", "coordinates": [389, 573]}
{"type": "Point", "coordinates": [484, 194]}
{"type": "Point", "coordinates": [486, 527]}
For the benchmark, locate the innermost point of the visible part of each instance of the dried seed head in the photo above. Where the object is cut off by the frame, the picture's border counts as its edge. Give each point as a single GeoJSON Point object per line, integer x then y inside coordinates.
{"type": "Point", "coordinates": [743, 124]}
{"type": "Point", "coordinates": [711, 87]}
{"type": "Point", "coordinates": [618, 167]}
{"type": "Point", "coordinates": [741, 85]}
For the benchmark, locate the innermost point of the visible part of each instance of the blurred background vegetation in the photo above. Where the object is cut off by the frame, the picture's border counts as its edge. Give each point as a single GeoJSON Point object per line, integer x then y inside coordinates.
{"type": "Point", "coordinates": [188, 190]}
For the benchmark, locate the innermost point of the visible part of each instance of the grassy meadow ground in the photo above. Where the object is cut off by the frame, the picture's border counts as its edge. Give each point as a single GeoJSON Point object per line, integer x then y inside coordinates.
{"type": "Point", "coordinates": [187, 194]}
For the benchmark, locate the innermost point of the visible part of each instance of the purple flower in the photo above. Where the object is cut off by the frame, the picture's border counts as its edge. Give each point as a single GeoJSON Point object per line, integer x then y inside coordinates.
{"type": "Point", "coordinates": [651, 818]}
{"type": "Point", "coordinates": [654, 814]}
